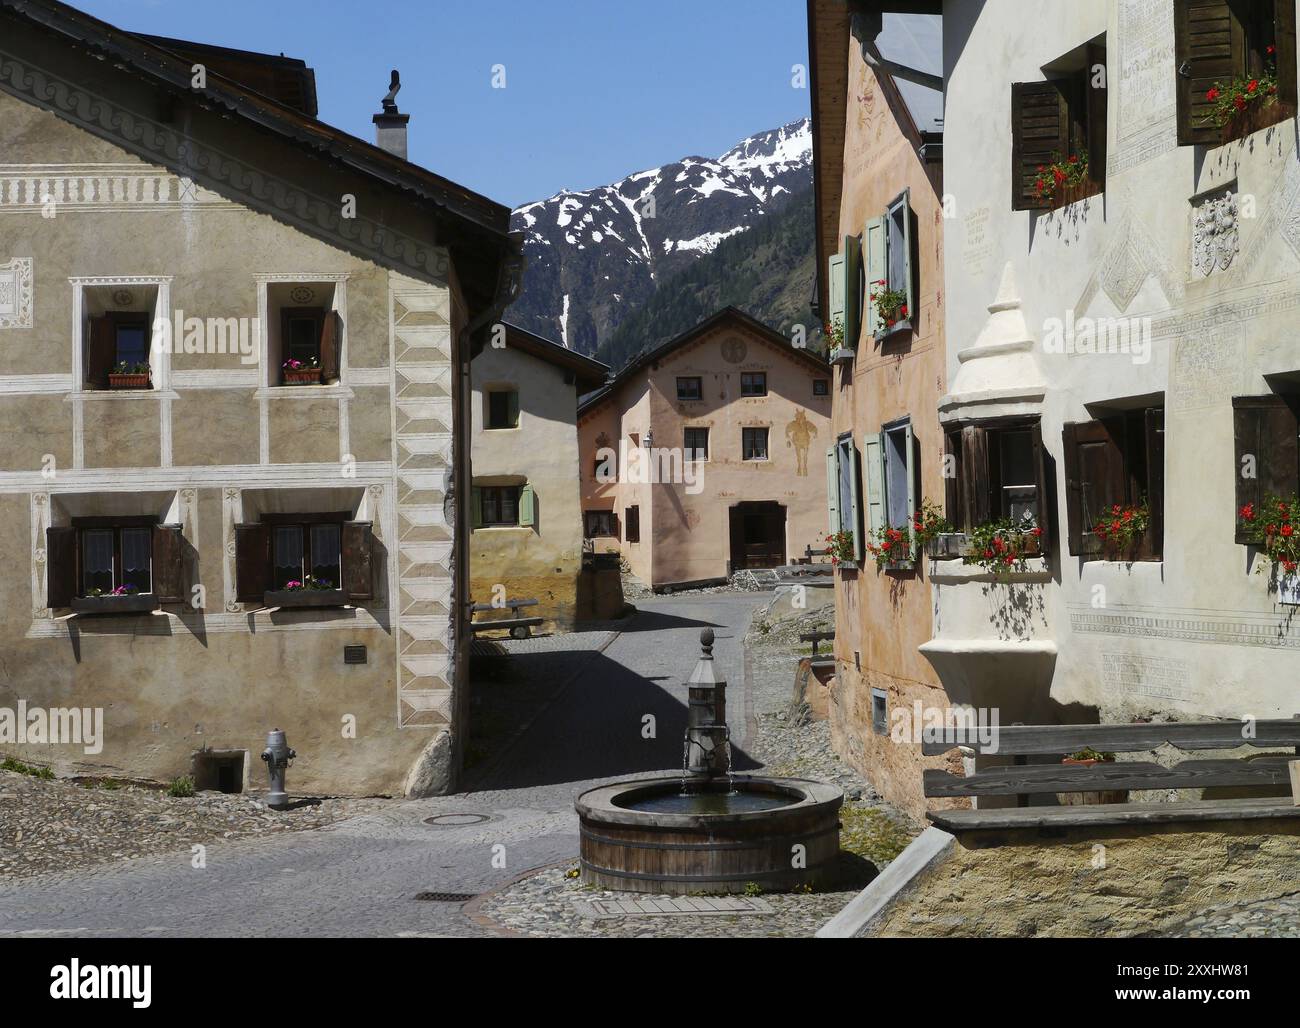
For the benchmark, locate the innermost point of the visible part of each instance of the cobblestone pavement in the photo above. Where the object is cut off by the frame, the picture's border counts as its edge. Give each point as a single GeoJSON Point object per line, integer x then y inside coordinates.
{"type": "Point", "coordinates": [360, 876]}
{"type": "Point", "coordinates": [1277, 918]}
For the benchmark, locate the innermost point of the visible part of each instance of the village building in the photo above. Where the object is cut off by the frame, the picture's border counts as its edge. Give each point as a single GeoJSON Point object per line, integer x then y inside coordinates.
{"type": "Point", "coordinates": [525, 505]}
{"type": "Point", "coordinates": [247, 521]}
{"type": "Point", "coordinates": [702, 457]}
{"type": "Point", "coordinates": [878, 138]}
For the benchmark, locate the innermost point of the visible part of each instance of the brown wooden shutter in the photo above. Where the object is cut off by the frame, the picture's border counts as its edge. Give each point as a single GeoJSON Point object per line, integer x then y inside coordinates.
{"type": "Point", "coordinates": [60, 566]}
{"type": "Point", "coordinates": [169, 564]}
{"type": "Point", "coordinates": [252, 562]}
{"type": "Point", "coordinates": [1041, 483]}
{"type": "Point", "coordinates": [1155, 444]}
{"type": "Point", "coordinates": [1284, 40]}
{"type": "Point", "coordinates": [1266, 431]}
{"type": "Point", "coordinates": [1096, 113]}
{"type": "Point", "coordinates": [633, 522]}
{"type": "Point", "coordinates": [954, 512]}
{"type": "Point", "coordinates": [101, 351]}
{"type": "Point", "coordinates": [330, 334]}
{"type": "Point", "coordinates": [974, 476]}
{"type": "Point", "coordinates": [358, 563]}
{"type": "Point", "coordinates": [1040, 134]}
{"type": "Point", "coordinates": [1094, 480]}
{"type": "Point", "coordinates": [1209, 48]}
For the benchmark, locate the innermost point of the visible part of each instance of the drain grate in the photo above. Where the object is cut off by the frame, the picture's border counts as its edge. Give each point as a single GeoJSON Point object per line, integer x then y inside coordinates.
{"type": "Point", "coordinates": [456, 820]}
{"type": "Point", "coordinates": [445, 897]}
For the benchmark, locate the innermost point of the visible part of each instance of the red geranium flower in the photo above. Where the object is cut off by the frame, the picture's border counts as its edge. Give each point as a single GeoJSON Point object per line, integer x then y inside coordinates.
{"type": "Point", "coordinates": [1212, 95]}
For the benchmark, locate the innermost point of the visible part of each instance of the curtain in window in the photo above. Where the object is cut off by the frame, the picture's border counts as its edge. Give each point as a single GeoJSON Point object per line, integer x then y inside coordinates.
{"type": "Point", "coordinates": [97, 560]}
{"type": "Point", "coordinates": [137, 555]}
{"type": "Point", "coordinates": [325, 550]}
{"type": "Point", "coordinates": [287, 555]}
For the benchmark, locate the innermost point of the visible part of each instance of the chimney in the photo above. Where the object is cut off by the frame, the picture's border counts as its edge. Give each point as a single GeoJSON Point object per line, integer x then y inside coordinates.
{"type": "Point", "coordinates": [390, 124]}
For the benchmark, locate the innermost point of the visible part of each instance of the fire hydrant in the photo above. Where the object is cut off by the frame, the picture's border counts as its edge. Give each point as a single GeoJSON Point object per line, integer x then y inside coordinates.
{"type": "Point", "coordinates": [277, 756]}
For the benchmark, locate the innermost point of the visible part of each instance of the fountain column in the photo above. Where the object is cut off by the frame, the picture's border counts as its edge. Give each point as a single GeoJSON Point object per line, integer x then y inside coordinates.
{"type": "Point", "coordinates": [707, 747]}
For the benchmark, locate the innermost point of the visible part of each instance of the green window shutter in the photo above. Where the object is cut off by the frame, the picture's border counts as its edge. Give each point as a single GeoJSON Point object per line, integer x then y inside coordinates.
{"type": "Point", "coordinates": [476, 507]}
{"type": "Point", "coordinates": [512, 408]}
{"type": "Point", "coordinates": [873, 455]}
{"type": "Point", "coordinates": [835, 283]}
{"type": "Point", "coordinates": [527, 507]}
{"type": "Point", "coordinates": [912, 468]}
{"type": "Point", "coordinates": [877, 267]}
{"type": "Point", "coordinates": [833, 490]}
{"type": "Point", "coordinates": [852, 291]}
{"type": "Point", "coordinates": [909, 268]}
{"type": "Point", "coordinates": [855, 476]}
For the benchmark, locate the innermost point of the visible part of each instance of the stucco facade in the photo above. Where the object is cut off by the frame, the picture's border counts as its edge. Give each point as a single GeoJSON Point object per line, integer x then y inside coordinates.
{"type": "Point", "coordinates": [529, 442]}
{"type": "Point", "coordinates": [700, 520]}
{"type": "Point", "coordinates": [99, 212]}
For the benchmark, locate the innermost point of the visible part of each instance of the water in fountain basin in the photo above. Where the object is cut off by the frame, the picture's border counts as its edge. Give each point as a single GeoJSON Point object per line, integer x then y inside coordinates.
{"type": "Point", "coordinates": [707, 802]}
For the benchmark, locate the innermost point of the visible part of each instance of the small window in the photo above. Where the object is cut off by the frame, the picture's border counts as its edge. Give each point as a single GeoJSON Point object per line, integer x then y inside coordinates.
{"type": "Point", "coordinates": [600, 524]}
{"type": "Point", "coordinates": [115, 556]}
{"type": "Point", "coordinates": [753, 383]}
{"type": "Point", "coordinates": [696, 444]}
{"type": "Point", "coordinates": [898, 466]}
{"type": "Point", "coordinates": [690, 388]}
{"type": "Point", "coordinates": [131, 342]}
{"type": "Point", "coordinates": [301, 550]}
{"type": "Point", "coordinates": [304, 332]}
{"type": "Point", "coordinates": [503, 408]}
{"type": "Point", "coordinates": [302, 345]}
{"type": "Point", "coordinates": [821, 387]}
{"type": "Point", "coordinates": [1000, 471]}
{"type": "Point", "coordinates": [753, 443]}
{"type": "Point", "coordinates": [888, 249]}
{"type": "Point", "coordinates": [632, 524]}
{"type": "Point", "coordinates": [1267, 436]}
{"type": "Point", "coordinates": [280, 549]}
{"type": "Point", "coordinates": [879, 712]}
{"type": "Point", "coordinates": [499, 505]}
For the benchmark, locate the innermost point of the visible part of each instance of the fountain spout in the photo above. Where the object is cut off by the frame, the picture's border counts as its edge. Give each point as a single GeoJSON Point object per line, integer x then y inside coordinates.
{"type": "Point", "coordinates": [707, 750]}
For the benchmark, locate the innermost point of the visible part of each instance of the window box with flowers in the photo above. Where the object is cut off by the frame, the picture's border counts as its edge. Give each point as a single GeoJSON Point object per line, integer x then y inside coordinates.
{"type": "Point", "coordinates": [842, 550]}
{"type": "Point", "coordinates": [1122, 530]}
{"type": "Point", "coordinates": [296, 372]}
{"type": "Point", "coordinates": [895, 549]}
{"type": "Point", "coordinates": [307, 592]}
{"type": "Point", "coordinates": [1064, 181]}
{"type": "Point", "coordinates": [129, 376]}
{"type": "Point", "coordinates": [1002, 547]}
{"type": "Point", "coordinates": [125, 599]}
{"type": "Point", "coordinates": [1246, 103]}
{"type": "Point", "coordinates": [1274, 524]}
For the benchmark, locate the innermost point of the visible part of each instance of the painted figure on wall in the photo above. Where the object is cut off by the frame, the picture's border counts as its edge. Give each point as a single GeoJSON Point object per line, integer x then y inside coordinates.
{"type": "Point", "coordinates": [800, 433]}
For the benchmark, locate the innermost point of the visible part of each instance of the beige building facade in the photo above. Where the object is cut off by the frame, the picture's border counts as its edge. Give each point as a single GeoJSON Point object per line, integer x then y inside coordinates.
{"type": "Point", "coordinates": [703, 456]}
{"type": "Point", "coordinates": [525, 504]}
{"type": "Point", "coordinates": [162, 491]}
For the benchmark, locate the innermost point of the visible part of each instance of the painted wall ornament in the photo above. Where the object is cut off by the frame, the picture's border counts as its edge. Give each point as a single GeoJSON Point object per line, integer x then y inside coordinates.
{"type": "Point", "coordinates": [16, 293]}
{"type": "Point", "coordinates": [800, 433]}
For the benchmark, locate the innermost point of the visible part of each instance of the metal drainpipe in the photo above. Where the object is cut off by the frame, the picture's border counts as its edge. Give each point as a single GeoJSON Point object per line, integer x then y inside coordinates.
{"type": "Point", "coordinates": [509, 282]}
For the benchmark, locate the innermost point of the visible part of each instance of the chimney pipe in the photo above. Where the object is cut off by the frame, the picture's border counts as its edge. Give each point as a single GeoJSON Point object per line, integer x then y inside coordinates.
{"type": "Point", "coordinates": [390, 123]}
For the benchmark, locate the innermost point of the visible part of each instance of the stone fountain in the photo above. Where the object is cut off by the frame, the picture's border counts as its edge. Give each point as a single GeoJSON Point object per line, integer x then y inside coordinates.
{"type": "Point", "coordinates": [709, 829]}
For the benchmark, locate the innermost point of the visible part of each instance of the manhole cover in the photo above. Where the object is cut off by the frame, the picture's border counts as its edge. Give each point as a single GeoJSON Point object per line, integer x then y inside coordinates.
{"type": "Point", "coordinates": [445, 897]}
{"type": "Point", "coordinates": [453, 820]}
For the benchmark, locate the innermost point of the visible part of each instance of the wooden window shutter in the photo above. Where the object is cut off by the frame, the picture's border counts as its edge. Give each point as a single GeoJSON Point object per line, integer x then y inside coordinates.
{"type": "Point", "coordinates": [876, 268]}
{"type": "Point", "coordinates": [616, 528]}
{"type": "Point", "coordinates": [331, 333]}
{"type": "Point", "coordinates": [1284, 40]}
{"type": "Point", "coordinates": [1155, 445]}
{"type": "Point", "coordinates": [1209, 47]}
{"type": "Point", "coordinates": [633, 520]}
{"type": "Point", "coordinates": [852, 291]}
{"type": "Point", "coordinates": [527, 507]}
{"type": "Point", "coordinates": [475, 507]}
{"type": "Point", "coordinates": [909, 265]}
{"type": "Point", "coordinates": [835, 288]}
{"type": "Point", "coordinates": [1094, 480]}
{"type": "Point", "coordinates": [913, 474]}
{"type": "Point", "coordinates": [512, 408]}
{"type": "Point", "coordinates": [833, 490]}
{"type": "Point", "coordinates": [1040, 134]}
{"type": "Point", "coordinates": [101, 351]}
{"type": "Point", "coordinates": [873, 474]}
{"type": "Point", "coordinates": [358, 563]}
{"type": "Point", "coordinates": [855, 498]}
{"type": "Point", "coordinates": [1095, 108]}
{"type": "Point", "coordinates": [169, 564]}
{"type": "Point", "coordinates": [1042, 481]}
{"type": "Point", "coordinates": [1267, 442]}
{"type": "Point", "coordinates": [252, 562]}
{"type": "Point", "coordinates": [60, 566]}
{"type": "Point", "coordinates": [951, 481]}
{"type": "Point", "coordinates": [975, 476]}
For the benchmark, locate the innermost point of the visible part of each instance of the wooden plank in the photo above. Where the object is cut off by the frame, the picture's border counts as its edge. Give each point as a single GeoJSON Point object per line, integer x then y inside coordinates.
{"type": "Point", "coordinates": [957, 821]}
{"type": "Point", "coordinates": [480, 608]}
{"type": "Point", "coordinates": [1063, 739]}
{"type": "Point", "coordinates": [1048, 778]}
{"type": "Point", "coordinates": [483, 626]}
{"type": "Point", "coordinates": [809, 637]}
{"type": "Point", "coordinates": [1294, 767]}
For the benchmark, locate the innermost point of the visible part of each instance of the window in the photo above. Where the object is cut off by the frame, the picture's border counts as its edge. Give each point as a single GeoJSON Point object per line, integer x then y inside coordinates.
{"type": "Point", "coordinates": [499, 505]}
{"type": "Point", "coordinates": [844, 295]}
{"type": "Point", "coordinates": [753, 443]}
{"type": "Point", "coordinates": [696, 444]}
{"type": "Point", "coordinates": [690, 388]}
{"type": "Point", "coordinates": [283, 548]}
{"type": "Point", "coordinates": [303, 331]}
{"type": "Point", "coordinates": [1219, 41]}
{"type": "Point", "coordinates": [1060, 121]}
{"type": "Point", "coordinates": [879, 712]}
{"type": "Point", "coordinates": [97, 555]}
{"type": "Point", "coordinates": [890, 248]}
{"type": "Point", "coordinates": [116, 557]}
{"type": "Point", "coordinates": [114, 337]}
{"type": "Point", "coordinates": [1115, 460]}
{"type": "Point", "coordinates": [890, 474]}
{"type": "Point", "coordinates": [600, 524]}
{"type": "Point", "coordinates": [503, 408]}
{"type": "Point", "coordinates": [308, 345]}
{"type": "Point", "coordinates": [1267, 434]}
{"type": "Point", "coordinates": [753, 383]}
{"type": "Point", "coordinates": [821, 387]}
{"type": "Point", "coordinates": [843, 472]}
{"type": "Point", "coordinates": [632, 524]}
{"type": "Point", "coordinates": [1001, 472]}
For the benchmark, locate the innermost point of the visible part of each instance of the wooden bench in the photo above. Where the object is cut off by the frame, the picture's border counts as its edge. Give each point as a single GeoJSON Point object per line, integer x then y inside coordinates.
{"type": "Point", "coordinates": [520, 627]}
{"type": "Point", "coordinates": [1023, 779]}
{"type": "Point", "coordinates": [809, 553]}
{"type": "Point", "coordinates": [815, 638]}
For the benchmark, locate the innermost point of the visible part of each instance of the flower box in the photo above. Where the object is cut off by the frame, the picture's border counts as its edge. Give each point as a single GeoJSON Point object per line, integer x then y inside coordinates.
{"type": "Point", "coordinates": [841, 355]}
{"type": "Point", "coordinates": [301, 376]}
{"type": "Point", "coordinates": [1254, 117]}
{"type": "Point", "coordinates": [1068, 194]}
{"type": "Point", "coordinates": [128, 381]}
{"type": "Point", "coordinates": [847, 565]}
{"type": "Point", "coordinates": [305, 598]}
{"type": "Point", "coordinates": [135, 603]}
{"type": "Point", "coordinates": [955, 545]}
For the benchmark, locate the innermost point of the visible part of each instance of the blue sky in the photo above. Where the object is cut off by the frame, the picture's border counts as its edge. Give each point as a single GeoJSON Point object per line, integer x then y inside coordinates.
{"type": "Point", "coordinates": [594, 90]}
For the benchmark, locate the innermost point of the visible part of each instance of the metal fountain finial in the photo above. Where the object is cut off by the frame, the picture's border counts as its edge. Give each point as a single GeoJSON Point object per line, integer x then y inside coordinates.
{"type": "Point", "coordinates": [706, 644]}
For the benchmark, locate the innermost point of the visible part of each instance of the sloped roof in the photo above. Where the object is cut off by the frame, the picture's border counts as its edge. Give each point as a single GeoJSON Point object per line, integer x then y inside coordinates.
{"type": "Point", "coordinates": [589, 373]}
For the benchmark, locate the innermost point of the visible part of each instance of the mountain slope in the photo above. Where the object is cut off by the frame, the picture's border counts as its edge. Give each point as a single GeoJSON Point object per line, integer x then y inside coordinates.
{"type": "Point", "coordinates": [595, 257]}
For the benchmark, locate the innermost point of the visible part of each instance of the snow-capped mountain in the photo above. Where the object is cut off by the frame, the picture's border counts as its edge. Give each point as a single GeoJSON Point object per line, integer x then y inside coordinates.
{"type": "Point", "coordinates": [595, 256]}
